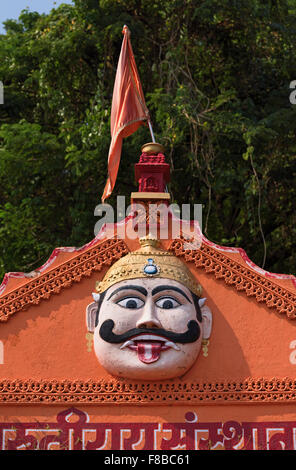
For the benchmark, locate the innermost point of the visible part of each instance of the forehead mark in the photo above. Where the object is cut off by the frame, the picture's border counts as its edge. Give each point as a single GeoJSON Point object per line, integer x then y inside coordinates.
{"type": "Point", "coordinates": [158, 289]}
{"type": "Point", "coordinates": [140, 289]}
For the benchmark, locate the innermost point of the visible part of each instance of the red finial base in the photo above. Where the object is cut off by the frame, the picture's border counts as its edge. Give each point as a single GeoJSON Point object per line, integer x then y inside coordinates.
{"type": "Point", "coordinates": [152, 172]}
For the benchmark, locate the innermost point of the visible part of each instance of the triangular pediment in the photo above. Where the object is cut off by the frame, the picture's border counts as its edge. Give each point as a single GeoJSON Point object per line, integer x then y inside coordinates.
{"type": "Point", "coordinates": [69, 265]}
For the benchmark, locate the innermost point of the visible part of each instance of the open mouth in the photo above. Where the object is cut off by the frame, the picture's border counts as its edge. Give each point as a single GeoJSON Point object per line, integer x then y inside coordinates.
{"type": "Point", "coordinates": [149, 347]}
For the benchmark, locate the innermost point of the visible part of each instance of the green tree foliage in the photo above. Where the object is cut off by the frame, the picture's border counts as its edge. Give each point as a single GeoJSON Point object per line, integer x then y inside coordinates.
{"type": "Point", "coordinates": [216, 77]}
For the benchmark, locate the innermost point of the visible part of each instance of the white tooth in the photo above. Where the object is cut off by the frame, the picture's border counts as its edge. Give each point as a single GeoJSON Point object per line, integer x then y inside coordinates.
{"type": "Point", "coordinates": [172, 345]}
{"type": "Point", "coordinates": [144, 337]}
{"type": "Point", "coordinates": [127, 343]}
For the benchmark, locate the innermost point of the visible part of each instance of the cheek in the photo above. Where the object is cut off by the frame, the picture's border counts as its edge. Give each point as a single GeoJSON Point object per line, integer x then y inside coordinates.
{"type": "Point", "coordinates": [192, 351]}
{"type": "Point", "coordinates": [103, 349]}
{"type": "Point", "coordinates": [124, 319]}
{"type": "Point", "coordinates": [176, 319]}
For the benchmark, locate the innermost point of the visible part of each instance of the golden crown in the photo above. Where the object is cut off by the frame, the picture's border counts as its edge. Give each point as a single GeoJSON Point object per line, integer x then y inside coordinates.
{"type": "Point", "coordinates": [149, 261]}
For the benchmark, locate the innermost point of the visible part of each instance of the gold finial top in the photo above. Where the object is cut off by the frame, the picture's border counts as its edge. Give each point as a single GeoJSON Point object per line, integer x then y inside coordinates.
{"type": "Point", "coordinates": [152, 148]}
{"type": "Point", "coordinates": [149, 240]}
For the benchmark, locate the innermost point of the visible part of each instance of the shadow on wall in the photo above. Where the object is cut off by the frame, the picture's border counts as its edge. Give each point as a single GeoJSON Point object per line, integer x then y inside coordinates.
{"type": "Point", "coordinates": [225, 357]}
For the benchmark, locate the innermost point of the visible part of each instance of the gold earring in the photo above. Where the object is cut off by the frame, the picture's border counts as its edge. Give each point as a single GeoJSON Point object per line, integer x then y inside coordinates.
{"type": "Point", "coordinates": [205, 343]}
{"type": "Point", "coordinates": [89, 341]}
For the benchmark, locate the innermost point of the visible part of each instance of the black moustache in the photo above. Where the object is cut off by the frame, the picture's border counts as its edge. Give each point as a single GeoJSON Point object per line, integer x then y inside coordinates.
{"type": "Point", "coordinates": [191, 335]}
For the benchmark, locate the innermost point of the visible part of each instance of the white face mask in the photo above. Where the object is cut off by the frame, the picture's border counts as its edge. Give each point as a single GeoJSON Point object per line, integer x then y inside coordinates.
{"type": "Point", "coordinates": [147, 329]}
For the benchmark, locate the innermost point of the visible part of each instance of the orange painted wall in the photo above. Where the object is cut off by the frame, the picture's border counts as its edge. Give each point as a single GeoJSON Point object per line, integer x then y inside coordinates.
{"type": "Point", "coordinates": [248, 339]}
{"type": "Point", "coordinates": [47, 342]}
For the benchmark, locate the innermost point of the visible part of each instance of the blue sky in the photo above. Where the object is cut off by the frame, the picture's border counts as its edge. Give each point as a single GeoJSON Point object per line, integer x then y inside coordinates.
{"type": "Point", "coordinates": [11, 9]}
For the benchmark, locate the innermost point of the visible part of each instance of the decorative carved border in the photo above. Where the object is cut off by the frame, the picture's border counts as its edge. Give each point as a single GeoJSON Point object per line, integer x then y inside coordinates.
{"type": "Point", "coordinates": [115, 392]}
{"type": "Point", "coordinates": [239, 276]}
{"type": "Point", "coordinates": [51, 282]}
{"type": "Point", "coordinates": [107, 252]}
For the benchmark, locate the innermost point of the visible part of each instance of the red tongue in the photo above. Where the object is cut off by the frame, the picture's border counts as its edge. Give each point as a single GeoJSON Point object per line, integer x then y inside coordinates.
{"type": "Point", "coordinates": [148, 352]}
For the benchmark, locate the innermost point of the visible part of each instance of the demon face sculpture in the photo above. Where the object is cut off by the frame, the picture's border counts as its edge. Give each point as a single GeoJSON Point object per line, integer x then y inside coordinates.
{"type": "Point", "coordinates": [148, 317]}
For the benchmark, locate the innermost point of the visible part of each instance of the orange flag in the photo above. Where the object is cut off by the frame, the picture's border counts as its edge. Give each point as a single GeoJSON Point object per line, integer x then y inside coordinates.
{"type": "Point", "coordinates": [128, 111]}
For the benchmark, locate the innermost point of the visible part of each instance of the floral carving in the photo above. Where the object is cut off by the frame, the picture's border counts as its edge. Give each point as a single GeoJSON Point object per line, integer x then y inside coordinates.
{"type": "Point", "coordinates": [51, 282]}
{"type": "Point", "coordinates": [121, 392]}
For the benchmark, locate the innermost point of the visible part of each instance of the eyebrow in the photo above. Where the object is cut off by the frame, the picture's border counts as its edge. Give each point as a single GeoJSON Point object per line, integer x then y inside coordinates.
{"type": "Point", "coordinates": [162, 288]}
{"type": "Point", "coordinates": [140, 289]}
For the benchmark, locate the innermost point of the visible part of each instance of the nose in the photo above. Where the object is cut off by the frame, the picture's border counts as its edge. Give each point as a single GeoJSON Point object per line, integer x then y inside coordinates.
{"type": "Point", "coordinates": [148, 318]}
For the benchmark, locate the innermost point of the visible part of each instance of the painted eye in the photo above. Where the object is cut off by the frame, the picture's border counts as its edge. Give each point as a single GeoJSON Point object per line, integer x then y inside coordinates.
{"type": "Point", "coordinates": [167, 303]}
{"type": "Point", "coordinates": [131, 302]}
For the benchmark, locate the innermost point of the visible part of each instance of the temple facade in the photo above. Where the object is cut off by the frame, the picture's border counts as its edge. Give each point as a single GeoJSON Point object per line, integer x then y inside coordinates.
{"type": "Point", "coordinates": [148, 342]}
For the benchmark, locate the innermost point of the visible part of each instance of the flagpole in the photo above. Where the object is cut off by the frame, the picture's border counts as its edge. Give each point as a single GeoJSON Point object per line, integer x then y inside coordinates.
{"type": "Point", "coordinates": [151, 131]}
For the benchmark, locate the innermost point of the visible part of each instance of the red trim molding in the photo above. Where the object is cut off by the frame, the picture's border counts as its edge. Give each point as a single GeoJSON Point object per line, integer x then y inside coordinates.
{"type": "Point", "coordinates": [51, 282]}
{"type": "Point", "coordinates": [239, 276]}
{"type": "Point", "coordinates": [233, 273]}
